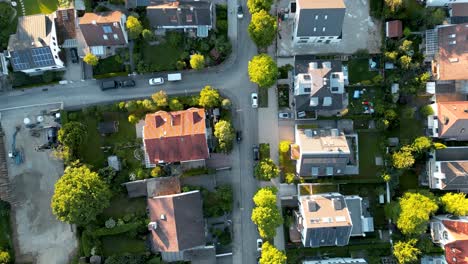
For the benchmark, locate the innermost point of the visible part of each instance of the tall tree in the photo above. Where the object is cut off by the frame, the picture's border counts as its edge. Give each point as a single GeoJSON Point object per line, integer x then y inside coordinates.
{"type": "Point", "coordinates": [455, 203]}
{"type": "Point", "coordinates": [267, 220]}
{"type": "Point", "coordinates": [197, 61]}
{"type": "Point", "coordinates": [266, 170]}
{"type": "Point", "coordinates": [405, 62]}
{"type": "Point", "coordinates": [263, 70]}
{"type": "Point", "coordinates": [406, 45]}
{"type": "Point", "coordinates": [271, 255]}
{"type": "Point", "coordinates": [257, 5]}
{"type": "Point", "coordinates": [209, 97]}
{"type": "Point", "coordinates": [284, 146]}
{"type": "Point", "coordinates": [160, 99]}
{"type": "Point", "coordinates": [262, 28]}
{"type": "Point", "coordinates": [91, 59]}
{"type": "Point", "coordinates": [393, 5]}
{"type": "Point", "coordinates": [415, 212]}
{"type": "Point", "coordinates": [406, 252]}
{"type": "Point", "coordinates": [265, 197]}
{"type": "Point", "coordinates": [224, 132]}
{"type": "Point", "coordinates": [175, 105]}
{"type": "Point", "coordinates": [72, 135]}
{"type": "Point", "coordinates": [402, 159]}
{"type": "Point", "coordinates": [134, 27]}
{"type": "Point", "coordinates": [421, 144]}
{"type": "Point", "coordinates": [79, 196]}
{"type": "Point", "coordinates": [147, 34]}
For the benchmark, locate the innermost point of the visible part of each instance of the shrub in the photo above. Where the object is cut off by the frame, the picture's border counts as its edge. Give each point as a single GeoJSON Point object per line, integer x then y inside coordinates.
{"type": "Point", "coordinates": [110, 223]}
{"type": "Point", "coordinates": [119, 229]}
{"type": "Point", "coordinates": [426, 110]}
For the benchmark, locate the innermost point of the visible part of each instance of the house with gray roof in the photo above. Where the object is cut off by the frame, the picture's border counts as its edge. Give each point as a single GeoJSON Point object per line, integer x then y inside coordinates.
{"type": "Point", "coordinates": [331, 219]}
{"type": "Point", "coordinates": [318, 21]}
{"type": "Point", "coordinates": [192, 17]}
{"type": "Point", "coordinates": [322, 152]}
{"type": "Point", "coordinates": [447, 169]}
{"type": "Point", "coordinates": [34, 48]}
{"type": "Point", "coordinates": [319, 86]}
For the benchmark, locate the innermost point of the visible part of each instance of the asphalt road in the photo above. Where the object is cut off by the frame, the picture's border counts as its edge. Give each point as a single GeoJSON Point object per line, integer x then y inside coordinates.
{"type": "Point", "coordinates": [230, 78]}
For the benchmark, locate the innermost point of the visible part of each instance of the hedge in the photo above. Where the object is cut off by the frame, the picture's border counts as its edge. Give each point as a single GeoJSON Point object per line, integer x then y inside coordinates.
{"type": "Point", "coordinates": [116, 230]}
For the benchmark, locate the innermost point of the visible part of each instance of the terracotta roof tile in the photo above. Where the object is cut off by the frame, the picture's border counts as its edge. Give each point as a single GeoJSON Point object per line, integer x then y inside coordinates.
{"type": "Point", "coordinates": [453, 120]}
{"type": "Point", "coordinates": [394, 29]}
{"type": "Point", "coordinates": [103, 29]}
{"type": "Point", "coordinates": [457, 251]}
{"type": "Point", "coordinates": [453, 52]}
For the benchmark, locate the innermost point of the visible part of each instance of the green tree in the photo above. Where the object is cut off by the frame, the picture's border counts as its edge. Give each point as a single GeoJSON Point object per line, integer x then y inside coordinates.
{"type": "Point", "coordinates": [416, 209]}
{"type": "Point", "coordinates": [63, 3]}
{"type": "Point", "coordinates": [289, 177]}
{"type": "Point", "coordinates": [265, 197]}
{"type": "Point", "coordinates": [267, 220]}
{"type": "Point", "coordinates": [386, 177]}
{"type": "Point", "coordinates": [157, 172]}
{"type": "Point", "coordinates": [391, 55]}
{"type": "Point", "coordinates": [72, 135]}
{"type": "Point", "coordinates": [160, 99]}
{"type": "Point", "coordinates": [438, 145]}
{"type": "Point", "coordinates": [209, 97]}
{"type": "Point", "coordinates": [134, 27]}
{"type": "Point", "coordinates": [5, 257]}
{"type": "Point", "coordinates": [455, 203]}
{"type": "Point", "coordinates": [197, 61]}
{"type": "Point", "coordinates": [426, 110]}
{"type": "Point", "coordinates": [405, 62]}
{"type": "Point", "coordinates": [147, 34]}
{"type": "Point", "coordinates": [91, 59]}
{"type": "Point", "coordinates": [406, 252]}
{"type": "Point", "coordinates": [7, 16]}
{"type": "Point", "coordinates": [263, 70]}
{"type": "Point", "coordinates": [421, 144]}
{"type": "Point", "coordinates": [266, 170]}
{"type": "Point", "coordinates": [226, 104]}
{"type": "Point", "coordinates": [79, 196]}
{"type": "Point", "coordinates": [175, 105]}
{"type": "Point", "coordinates": [132, 119]}
{"type": "Point", "coordinates": [180, 65]}
{"type": "Point", "coordinates": [257, 5]}
{"type": "Point", "coordinates": [406, 45]}
{"type": "Point", "coordinates": [271, 255]}
{"type": "Point", "coordinates": [402, 159]}
{"type": "Point", "coordinates": [393, 5]}
{"type": "Point", "coordinates": [284, 146]}
{"type": "Point", "coordinates": [262, 28]}
{"type": "Point", "coordinates": [224, 132]}
{"type": "Point", "coordinates": [218, 203]}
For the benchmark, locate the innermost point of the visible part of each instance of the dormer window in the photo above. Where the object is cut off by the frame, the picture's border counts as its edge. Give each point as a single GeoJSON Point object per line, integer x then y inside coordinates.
{"type": "Point", "coordinates": [116, 36]}
{"type": "Point", "coordinates": [316, 17]}
{"type": "Point", "coordinates": [105, 37]}
{"type": "Point", "coordinates": [107, 29]}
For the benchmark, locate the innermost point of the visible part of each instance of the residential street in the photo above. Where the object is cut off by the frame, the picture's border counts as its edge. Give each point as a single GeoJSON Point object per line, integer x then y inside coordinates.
{"type": "Point", "coordinates": [232, 80]}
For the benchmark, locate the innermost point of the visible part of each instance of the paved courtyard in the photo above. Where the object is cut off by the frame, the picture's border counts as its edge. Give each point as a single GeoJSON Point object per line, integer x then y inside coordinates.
{"type": "Point", "coordinates": [39, 237]}
{"type": "Point", "coordinates": [360, 31]}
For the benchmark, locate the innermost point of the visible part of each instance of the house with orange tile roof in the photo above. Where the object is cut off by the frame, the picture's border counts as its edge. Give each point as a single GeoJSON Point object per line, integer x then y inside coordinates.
{"type": "Point", "coordinates": [450, 121]}
{"type": "Point", "coordinates": [451, 233]}
{"type": "Point", "coordinates": [173, 137]}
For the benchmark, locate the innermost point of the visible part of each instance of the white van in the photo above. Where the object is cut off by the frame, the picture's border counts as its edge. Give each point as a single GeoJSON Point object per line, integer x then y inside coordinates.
{"type": "Point", "coordinates": [172, 77]}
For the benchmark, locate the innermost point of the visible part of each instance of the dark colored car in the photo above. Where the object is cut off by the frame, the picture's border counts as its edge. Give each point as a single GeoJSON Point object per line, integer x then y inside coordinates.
{"type": "Point", "coordinates": [52, 135]}
{"type": "Point", "coordinates": [74, 55]}
{"type": "Point", "coordinates": [106, 85]}
{"type": "Point", "coordinates": [239, 136]}
{"type": "Point", "coordinates": [256, 153]}
{"type": "Point", "coordinates": [127, 83]}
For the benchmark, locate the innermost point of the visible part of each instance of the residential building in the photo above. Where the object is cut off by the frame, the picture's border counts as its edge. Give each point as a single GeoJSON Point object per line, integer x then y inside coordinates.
{"type": "Point", "coordinates": [450, 121]}
{"type": "Point", "coordinates": [103, 32]}
{"type": "Point", "coordinates": [451, 233]}
{"type": "Point", "coordinates": [458, 13]}
{"type": "Point", "coordinates": [173, 137]}
{"type": "Point", "coordinates": [319, 87]}
{"type": "Point", "coordinates": [193, 17]}
{"type": "Point", "coordinates": [336, 261]}
{"type": "Point", "coordinates": [330, 219]}
{"type": "Point", "coordinates": [394, 29]}
{"type": "Point", "coordinates": [67, 26]}
{"type": "Point", "coordinates": [34, 48]}
{"type": "Point", "coordinates": [176, 224]}
{"type": "Point", "coordinates": [447, 169]}
{"type": "Point", "coordinates": [443, 2]}
{"type": "Point", "coordinates": [321, 152]}
{"type": "Point", "coordinates": [318, 21]}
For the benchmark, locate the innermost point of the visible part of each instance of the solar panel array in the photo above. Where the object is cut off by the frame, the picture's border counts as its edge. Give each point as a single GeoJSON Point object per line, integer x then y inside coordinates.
{"type": "Point", "coordinates": [42, 57]}
{"type": "Point", "coordinates": [20, 60]}
{"type": "Point", "coordinates": [432, 45]}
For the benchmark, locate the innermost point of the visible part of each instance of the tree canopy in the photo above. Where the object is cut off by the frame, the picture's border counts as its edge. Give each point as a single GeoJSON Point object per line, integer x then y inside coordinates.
{"type": "Point", "coordinates": [5, 257]}
{"type": "Point", "coordinates": [263, 70]}
{"type": "Point", "coordinates": [284, 146]}
{"type": "Point", "coordinates": [267, 220]}
{"type": "Point", "coordinates": [91, 59]}
{"type": "Point", "coordinates": [421, 144]}
{"type": "Point", "coordinates": [405, 61]}
{"type": "Point", "coordinates": [455, 203]}
{"type": "Point", "coordinates": [197, 61]}
{"type": "Point", "coordinates": [72, 135]}
{"type": "Point", "coordinates": [147, 34]}
{"type": "Point", "coordinates": [402, 159]}
{"type": "Point", "coordinates": [265, 197]}
{"type": "Point", "coordinates": [257, 5]}
{"type": "Point", "coordinates": [266, 170]}
{"type": "Point", "coordinates": [134, 27]}
{"type": "Point", "coordinates": [209, 97]}
{"type": "Point", "coordinates": [7, 14]}
{"type": "Point", "coordinates": [393, 5]}
{"type": "Point", "coordinates": [79, 196]}
{"type": "Point", "coordinates": [217, 203]}
{"type": "Point", "coordinates": [406, 252]}
{"type": "Point", "coordinates": [415, 209]}
{"type": "Point", "coordinates": [262, 28]}
{"type": "Point", "coordinates": [175, 105]}
{"type": "Point", "coordinates": [224, 132]}
{"type": "Point", "coordinates": [271, 255]}
{"type": "Point", "coordinates": [160, 99]}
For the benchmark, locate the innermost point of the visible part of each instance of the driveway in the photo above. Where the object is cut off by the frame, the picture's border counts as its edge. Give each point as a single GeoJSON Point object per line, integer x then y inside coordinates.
{"type": "Point", "coordinates": [39, 236]}
{"type": "Point", "coordinates": [360, 31]}
{"type": "Point", "coordinates": [74, 71]}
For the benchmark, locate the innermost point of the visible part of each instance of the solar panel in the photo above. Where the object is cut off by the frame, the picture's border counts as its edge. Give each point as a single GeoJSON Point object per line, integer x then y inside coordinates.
{"type": "Point", "coordinates": [42, 57]}
{"type": "Point", "coordinates": [19, 61]}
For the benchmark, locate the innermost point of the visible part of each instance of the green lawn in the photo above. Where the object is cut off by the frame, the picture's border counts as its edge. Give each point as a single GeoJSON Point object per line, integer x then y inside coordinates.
{"type": "Point", "coordinates": [40, 6]}
{"type": "Point", "coordinates": [122, 205]}
{"type": "Point", "coordinates": [162, 57]}
{"type": "Point", "coordinates": [408, 181]}
{"type": "Point", "coordinates": [369, 148]}
{"type": "Point", "coordinates": [108, 65]}
{"type": "Point", "coordinates": [121, 244]}
{"type": "Point", "coordinates": [359, 71]}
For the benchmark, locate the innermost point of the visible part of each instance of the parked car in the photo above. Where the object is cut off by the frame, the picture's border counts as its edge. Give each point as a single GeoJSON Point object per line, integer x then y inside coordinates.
{"type": "Point", "coordinates": [74, 55]}
{"type": "Point", "coordinates": [156, 81]}
{"type": "Point", "coordinates": [127, 83]}
{"type": "Point", "coordinates": [240, 12]}
{"type": "Point", "coordinates": [238, 136]}
{"type": "Point", "coordinates": [285, 115]}
{"type": "Point", "coordinates": [259, 244]}
{"type": "Point", "coordinates": [256, 153]}
{"type": "Point", "coordinates": [106, 85]}
{"type": "Point", "coordinates": [254, 100]}
{"type": "Point", "coordinates": [52, 135]}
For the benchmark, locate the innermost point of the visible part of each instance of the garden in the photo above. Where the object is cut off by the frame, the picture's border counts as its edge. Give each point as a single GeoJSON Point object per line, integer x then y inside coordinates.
{"type": "Point", "coordinates": [117, 65]}
{"type": "Point", "coordinates": [8, 22]}
{"type": "Point", "coordinates": [7, 254]}
{"type": "Point", "coordinates": [359, 70]}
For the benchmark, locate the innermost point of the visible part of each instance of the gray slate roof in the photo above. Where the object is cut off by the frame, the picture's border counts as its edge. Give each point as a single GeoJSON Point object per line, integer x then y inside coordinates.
{"type": "Point", "coordinates": [185, 14]}
{"type": "Point", "coordinates": [355, 210]}
{"type": "Point", "coordinates": [337, 162]}
{"type": "Point", "coordinates": [455, 167]}
{"type": "Point", "coordinates": [307, 21]}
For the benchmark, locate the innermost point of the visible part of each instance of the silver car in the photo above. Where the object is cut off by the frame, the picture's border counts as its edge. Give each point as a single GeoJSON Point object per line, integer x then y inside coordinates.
{"type": "Point", "coordinates": [285, 115]}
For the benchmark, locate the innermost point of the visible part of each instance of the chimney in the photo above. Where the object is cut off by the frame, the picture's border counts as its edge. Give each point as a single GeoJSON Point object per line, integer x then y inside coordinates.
{"type": "Point", "coordinates": [152, 226]}
{"type": "Point", "coordinates": [94, 22]}
{"type": "Point", "coordinates": [172, 120]}
{"type": "Point", "coordinates": [163, 217]}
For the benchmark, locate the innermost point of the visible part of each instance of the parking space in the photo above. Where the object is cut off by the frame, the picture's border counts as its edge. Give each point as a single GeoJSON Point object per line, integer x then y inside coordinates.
{"type": "Point", "coordinates": [360, 31]}
{"type": "Point", "coordinates": [73, 71]}
{"type": "Point", "coordinates": [286, 130]}
{"type": "Point", "coordinates": [39, 236]}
